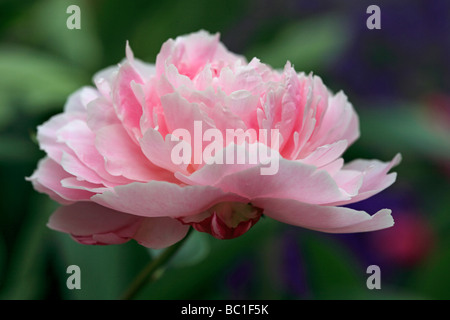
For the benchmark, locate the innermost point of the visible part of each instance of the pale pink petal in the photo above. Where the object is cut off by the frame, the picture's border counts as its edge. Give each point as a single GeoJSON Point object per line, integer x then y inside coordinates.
{"type": "Point", "coordinates": [324, 218]}
{"type": "Point", "coordinates": [375, 177]}
{"type": "Point", "coordinates": [100, 113]}
{"type": "Point", "coordinates": [75, 183]}
{"type": "Point", "coordinates": [243, 104]}
{"type": "Point", "coordinates": [218, 167]}
{"type": "Point", "coordinates": [123, 157]}
{"type": "Point", "coordinates": [128, 107]}
{"type": "Point", "coordinates": [47, 136]}
{"type": "Point", "coordinates": [86, 162]}
{"type": "Point", "coordinates": [294, 180]}
{"type": "Point", "coordinates": [159, 150]}
{"type": "Point", "coordinates": [339, 122]}
{"type": "Point", "coordinates": [77, 101]}
{"type": "Point", "coordinates": [179, 113]}
{"type": "Point", "coordinates": [188, 54]}
{"type": "Point", "coordinates": [103, 80]}
{"type": "Point", "coordinates": [349, 180]}
{"type": "Point", "coordinates": [162, 199]}
{"type": "Point", "coordinates": [89, 223]}
{"type": "Point", "coordinates": [333, 167]}
{"type": "Point", "coordinates": [157, 233]}
{"type": "Point", "coordinates": [241, 78]}
{"type": "Point", "coordinates": [326, 153]}
{"type": "Point", "coordinates": [73, 166]}
{"type": "Point", "coordinates": [299, 95]}
{"type": "Point", "coordinates": [48, 176]}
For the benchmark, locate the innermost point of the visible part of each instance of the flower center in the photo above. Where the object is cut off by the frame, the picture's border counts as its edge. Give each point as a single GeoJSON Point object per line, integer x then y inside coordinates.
{"type": "Point", "coordinates": [225, 220]}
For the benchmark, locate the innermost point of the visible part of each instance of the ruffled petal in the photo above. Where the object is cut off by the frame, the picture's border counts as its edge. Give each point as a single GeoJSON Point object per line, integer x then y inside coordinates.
{"type": "Point", "coordinates": [89, 223]}
{"type": "Point", "coordinates": [162, 199]}
{"type": "Point", "coordinates": [324, 218]}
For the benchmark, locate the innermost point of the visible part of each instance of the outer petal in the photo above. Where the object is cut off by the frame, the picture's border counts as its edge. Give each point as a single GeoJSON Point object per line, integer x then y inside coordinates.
{"type": "Point", "coordinates": [375, 177]}
{"type": "Point", "coordinates": [77, 101]}
{"type": "Point", "coordinates": [179, 113]}
{"type": "Point", "coordinates": [190, 53]}
{"type": "Point", "coordinates": [101, 113]}
{"type": "Point", "coordinates": [326, 153]}
{"type": "Point", "coordinates": [159, 150]}
{"type": "Point", "coordinates": [123, 157]}
{"type": "Point", "coordinates": [81, 140]}
{"type": "Point", "coordinates": [90, 223]}
{"type": "Point", "coordinates": [294, 180]}
{"type": "Point", "coordinates": [210, 174]}
{"type": "Point", "coordinates": [48, 177]}
{"type": "Point", "coordinates": [162, 199]}
{"type": "Point", "coordinates": [324, 218]}
{"type": "Point", "coordinates": [157, 233]}
{"type": "Point", "coordinates": [47, 136]}
{"type": "Point", "coordinates": [128, 108]}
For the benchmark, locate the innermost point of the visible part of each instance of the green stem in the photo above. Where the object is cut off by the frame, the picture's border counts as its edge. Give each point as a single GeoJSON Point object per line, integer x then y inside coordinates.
{"type": "Point", "coordinates": [151, 268]}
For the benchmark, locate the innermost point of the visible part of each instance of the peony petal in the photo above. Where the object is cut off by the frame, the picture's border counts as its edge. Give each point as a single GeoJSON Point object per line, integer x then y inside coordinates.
{"type": "Point", "coordinates": [375, 177]}
{"type": "Point", "coordinates": [326, 153]}
{"type": "Point", "coordinates": [349, 180]}
{"type": "Point", "coordinates": [159, 150]}
{"type": "Point", "coordinates": [103, 80]}
{"type": "Point", "coordinates": [294, 180]}
{"type": "Point", "coordinates": [90, 223]}
{"type": "Point", "coordinates": [72, 165]}
{"type": "Point", "coordinates": [48, 176]}
{"type": "Point", "coordinates": [123, 157]}
{"type": "Point", "coordinates": [75, 183]}
{"type": "Point", "coordinates": [218, 167]}
{"type": "Point", "coordinates": [86, 161]}
{"type": "Point", "coordinates": [47, 136]}
{"type": "Point", "coordinates": [324, 218]}
{"type": "Point", "coordinates": [100, 113]}
{"type": "Point", "coordinates": [339, 122]}
{"type": "Point", "coordinates": [128, 107]}
{"type": "Point", "coordinates": [162, 199]}
{"type": "Point", "coordinates": [77, 101]}
{"type": "Point", "coordinates": [188, 54]}
{"type": "Point", "coordinates": [157, 233]}
{"type": "Point", "coordinates": [180, 114]}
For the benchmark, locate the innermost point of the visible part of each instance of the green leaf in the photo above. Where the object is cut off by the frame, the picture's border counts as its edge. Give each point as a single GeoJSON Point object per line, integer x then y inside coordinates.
{"type": "Point", "coordinates": [35, 81]}
{"type": "Point", "coordinates": [308, 44]}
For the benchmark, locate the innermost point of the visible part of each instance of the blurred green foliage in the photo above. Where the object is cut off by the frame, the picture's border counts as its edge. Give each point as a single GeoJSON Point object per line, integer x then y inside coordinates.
{"type": "Point", "coordinates": [42, 62]}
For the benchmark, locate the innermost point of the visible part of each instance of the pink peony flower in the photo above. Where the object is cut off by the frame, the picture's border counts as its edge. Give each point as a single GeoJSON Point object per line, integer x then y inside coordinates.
{"type": "Point", "coordinates": [110, 163]}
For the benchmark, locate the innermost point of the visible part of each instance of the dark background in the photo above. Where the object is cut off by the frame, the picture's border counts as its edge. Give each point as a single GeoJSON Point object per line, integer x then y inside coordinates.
{"type": "Point", "coordinates": [398, 79]}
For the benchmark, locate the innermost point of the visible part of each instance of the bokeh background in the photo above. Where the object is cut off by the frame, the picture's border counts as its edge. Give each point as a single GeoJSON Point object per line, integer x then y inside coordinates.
{"type": "Point", "coordinates": [398, 79]}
